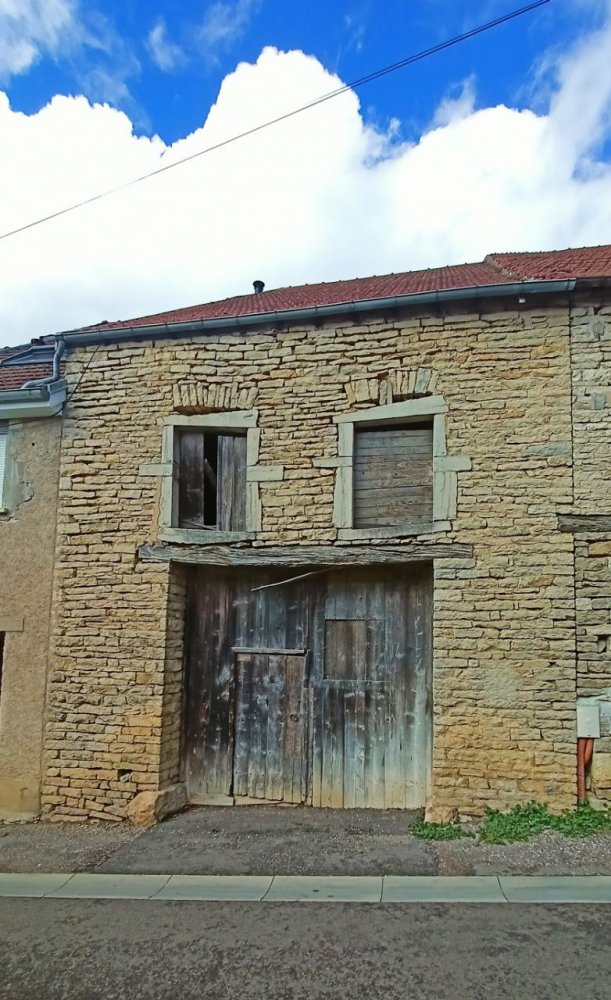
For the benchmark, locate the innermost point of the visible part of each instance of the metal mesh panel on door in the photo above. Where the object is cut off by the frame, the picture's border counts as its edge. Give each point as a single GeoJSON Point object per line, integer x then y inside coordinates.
{"type": "Point", "coordinates": [352, 648]}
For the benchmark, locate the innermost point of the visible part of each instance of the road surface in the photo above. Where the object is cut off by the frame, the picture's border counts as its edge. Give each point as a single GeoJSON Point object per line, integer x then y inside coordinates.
{"type": "Point", "coordinates": [144, 950]}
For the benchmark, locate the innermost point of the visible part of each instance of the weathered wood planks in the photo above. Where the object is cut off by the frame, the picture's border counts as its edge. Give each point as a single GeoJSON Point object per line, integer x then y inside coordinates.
{"type": "Point", "coordinates": [353, 730]}
{"type": "Point", "coordinates": [270, 743]}
{"type": "Point", "coordinates": [211, 480]}
{"type": "Point", "coordinates": [393, 476]}
{"type": "Point", "coordinates": [231, 483]}
{"type": "Point", "coordinates": [305, 555]}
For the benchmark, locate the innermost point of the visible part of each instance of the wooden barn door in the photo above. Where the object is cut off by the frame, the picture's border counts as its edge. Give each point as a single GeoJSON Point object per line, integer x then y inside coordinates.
{"type": "Point", "coordinates": [270, 726]}
{"type": "Point", "coordinates": [372, 701]}
{"type": "Point", "coordinates": [354, 729]}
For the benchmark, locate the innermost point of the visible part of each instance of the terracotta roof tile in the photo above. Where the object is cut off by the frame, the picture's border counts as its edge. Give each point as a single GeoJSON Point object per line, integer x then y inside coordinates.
{"type": "Point", "coordinates": [17, 375]}
{"type": "Point", "coordinates": [323, 294]}
{"type": "Point", "coordinates": [496, 268]}
{"type": "Point", "coordinates": [547, 265]}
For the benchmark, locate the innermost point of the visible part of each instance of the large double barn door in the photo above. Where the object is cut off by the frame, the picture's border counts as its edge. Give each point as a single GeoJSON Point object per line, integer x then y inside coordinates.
{"type": "Point", "coordinates": [270, 726]}
{"type": "Point", "coordinates": [314, 690]}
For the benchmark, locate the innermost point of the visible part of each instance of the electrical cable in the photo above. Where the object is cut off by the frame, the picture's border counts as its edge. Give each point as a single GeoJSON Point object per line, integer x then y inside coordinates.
{"type": "Point", "coordinates": [78, 382]}
{"type": "Point", "coordinates": [376, 75]}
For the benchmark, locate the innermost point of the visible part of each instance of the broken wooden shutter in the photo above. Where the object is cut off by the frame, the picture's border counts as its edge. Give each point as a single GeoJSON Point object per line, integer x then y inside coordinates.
{"type": "Point", "coordinates": [393, 476]}
{"type": "Point", "coordinates": [212, 481]}
{"type": "Point", "coordinates": [196, 479]}
{"type": "Point", "coordinates": [231, 479]}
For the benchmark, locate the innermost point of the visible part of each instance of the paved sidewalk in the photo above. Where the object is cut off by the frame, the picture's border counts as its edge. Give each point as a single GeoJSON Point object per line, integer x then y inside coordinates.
{"type": "Point", "coordinates": [302, 888]}
{"type": "Point", "coordinates": [270, 840]}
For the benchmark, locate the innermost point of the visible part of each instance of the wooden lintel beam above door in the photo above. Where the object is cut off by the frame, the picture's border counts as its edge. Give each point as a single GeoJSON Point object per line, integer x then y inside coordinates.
{"type": "Point", "coordinates": [304, 555]}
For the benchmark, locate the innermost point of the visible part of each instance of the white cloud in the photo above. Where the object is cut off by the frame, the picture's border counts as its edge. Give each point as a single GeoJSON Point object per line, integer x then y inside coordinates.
{"type": "Point", "coordinates": [84, 41]}
{"type": "Point", "coordinates": [317, 197]}
{"type": "Point", "coordinates": [164, 53]}
{"type": "Point", "coordinates": [225, 22]}
{"type": "Point", "coordinates": [31, 28]}
{"type": "Point", "coordinates": [355, 29]}
{"type": "Point", "coordinates": [458, 104]}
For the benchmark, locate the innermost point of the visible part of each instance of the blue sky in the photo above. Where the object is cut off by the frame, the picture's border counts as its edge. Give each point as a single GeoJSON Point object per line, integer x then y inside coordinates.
{"type": "Point", "coordinates": [163, 61]}
{"type": "Point", "coordinates": [500, 143]}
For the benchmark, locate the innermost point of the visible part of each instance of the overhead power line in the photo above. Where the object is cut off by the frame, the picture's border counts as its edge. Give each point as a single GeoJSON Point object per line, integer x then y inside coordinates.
{"type": "Point", "coordinates": [392, 68]}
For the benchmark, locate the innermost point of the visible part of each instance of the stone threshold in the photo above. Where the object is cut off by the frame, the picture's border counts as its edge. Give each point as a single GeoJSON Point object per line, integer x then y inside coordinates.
{"type": "Point", "coordinates": [312, 888]}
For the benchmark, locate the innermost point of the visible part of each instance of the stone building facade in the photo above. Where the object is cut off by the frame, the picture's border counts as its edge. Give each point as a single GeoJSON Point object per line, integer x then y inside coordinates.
{"type": "Point", "coordinates": [30, 436]}
{"type": "Point", "coordinates": [507, 363]}
{"type": "Point", "coordinates": [591, 404]}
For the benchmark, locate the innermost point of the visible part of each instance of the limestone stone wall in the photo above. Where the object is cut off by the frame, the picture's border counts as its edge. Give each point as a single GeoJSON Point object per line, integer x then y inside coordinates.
{"type": "Point", "coordinates": [591, 363]}
{"type": "Point", "coordinates": [27, 541]}
{"type": "Point", "coordinates": [504, 621]}
{"type": "Point", "coordinates": [593, 604]}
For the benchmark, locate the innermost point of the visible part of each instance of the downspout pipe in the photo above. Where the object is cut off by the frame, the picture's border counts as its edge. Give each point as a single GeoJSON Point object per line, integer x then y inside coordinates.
{"type": "Point", "coordinates": [60, 346]}
{"type": "Point", "coordinates": [166, 331]}
{"type": "Point", "coordinates": [585, 749]}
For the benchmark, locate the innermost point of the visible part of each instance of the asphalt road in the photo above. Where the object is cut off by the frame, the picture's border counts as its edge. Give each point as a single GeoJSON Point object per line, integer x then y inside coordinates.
{"type": "Point", "coordinates": [132, 950]}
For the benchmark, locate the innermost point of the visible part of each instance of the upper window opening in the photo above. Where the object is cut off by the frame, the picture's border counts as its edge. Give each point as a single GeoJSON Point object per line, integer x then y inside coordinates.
{"type": "Point", "coordinates": [211, 480]}
{"type": "Point", "coordinates": [393, 475]}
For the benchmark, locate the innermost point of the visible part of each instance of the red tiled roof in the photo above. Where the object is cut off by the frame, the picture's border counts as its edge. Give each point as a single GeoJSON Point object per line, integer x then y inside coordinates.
{"type": "Point", "coordinates": [548, 265]}
{"type": "Point", "coordinates": [324, 294]}
{"type": "Point", "coordinates": [17, 375]}
{"type": "Point", "coordinates": [587, 262]}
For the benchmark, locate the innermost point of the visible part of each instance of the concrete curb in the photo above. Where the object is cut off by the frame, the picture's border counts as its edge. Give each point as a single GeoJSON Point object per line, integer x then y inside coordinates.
{"type": "Point", "coordinates": [321, 889]}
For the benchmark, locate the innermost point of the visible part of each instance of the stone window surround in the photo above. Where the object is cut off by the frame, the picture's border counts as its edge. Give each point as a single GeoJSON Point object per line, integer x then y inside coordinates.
{"type": "Point", "coordinates": [445, 467]}
{"type": "Point", "coordinates": [255, 474]}
{"type": "Point", "coordinates": [11, 623]}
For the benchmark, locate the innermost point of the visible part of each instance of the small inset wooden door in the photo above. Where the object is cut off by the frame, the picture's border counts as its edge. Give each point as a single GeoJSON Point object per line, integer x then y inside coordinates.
{"type": "Point", "coordinates": [270, 725]}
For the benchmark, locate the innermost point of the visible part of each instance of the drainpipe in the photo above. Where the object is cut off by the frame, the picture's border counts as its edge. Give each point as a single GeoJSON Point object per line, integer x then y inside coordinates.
{"type": "Point", "coordinates": [60, 346]}
{"type": "Point", "coordinates": [585, 749]}
{"type": "Point", "coordinates": [588, 730]}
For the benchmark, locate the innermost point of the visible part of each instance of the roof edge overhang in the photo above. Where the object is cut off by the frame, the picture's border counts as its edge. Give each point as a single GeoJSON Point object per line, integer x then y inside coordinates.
{"type": "Point", "coordinates": [33, 404]}
{"type": "Point", "coordinates": [168, 331]}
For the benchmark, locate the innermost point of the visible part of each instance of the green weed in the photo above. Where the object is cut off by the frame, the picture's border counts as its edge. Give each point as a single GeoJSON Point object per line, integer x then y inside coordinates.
{"type": "Point", "coordinates": [437, 831]}
{"type": "Point", "coordinates": [524, 821]}
{"type": "Point", "coordinates": [520, 823]}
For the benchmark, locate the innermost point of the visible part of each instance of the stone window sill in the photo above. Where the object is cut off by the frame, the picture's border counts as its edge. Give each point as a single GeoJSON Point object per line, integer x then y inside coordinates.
{"type": "Point", "coordinates": [194, 536]}
{"type": "Point", "coordinates": [397, 531]}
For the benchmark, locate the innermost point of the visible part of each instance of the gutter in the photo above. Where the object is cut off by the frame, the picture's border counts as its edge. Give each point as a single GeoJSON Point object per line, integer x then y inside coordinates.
{"type": "Point", "coordinates": [37, 402]}
{"type": "Point", "coordinates": [168, 331]}
{"type": "Point", "coordinates": [60, 346]}
{"type": "Point", "coordinates": [38, 398]}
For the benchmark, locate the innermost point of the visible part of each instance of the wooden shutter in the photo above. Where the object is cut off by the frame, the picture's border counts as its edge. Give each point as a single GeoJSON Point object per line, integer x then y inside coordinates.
{"type": "Point", "coordinates": [212, 481]}
{"type": "Point", "coordinates": [231, 478]}
{"type": "Point", "coordinates": [393, 476]}
{"type": "Point", "coordinates": [3, 450]}
{"type": "Point", "coordinates": [191, 485]}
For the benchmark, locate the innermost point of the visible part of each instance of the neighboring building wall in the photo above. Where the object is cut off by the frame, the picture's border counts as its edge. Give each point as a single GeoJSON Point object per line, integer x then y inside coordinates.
{"type": "Point", "coordinates": [504, 623]}
{"type": "Point", "coordinates": [27, 541]}
{"type": "Point", "coordinates": [591, 362]}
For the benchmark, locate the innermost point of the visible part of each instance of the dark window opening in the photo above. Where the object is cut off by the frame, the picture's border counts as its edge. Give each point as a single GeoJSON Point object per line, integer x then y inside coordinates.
{"type": "Point", "coordinates": [211, 480]}
{"type": "Point", "coordinates": [393, 475]}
